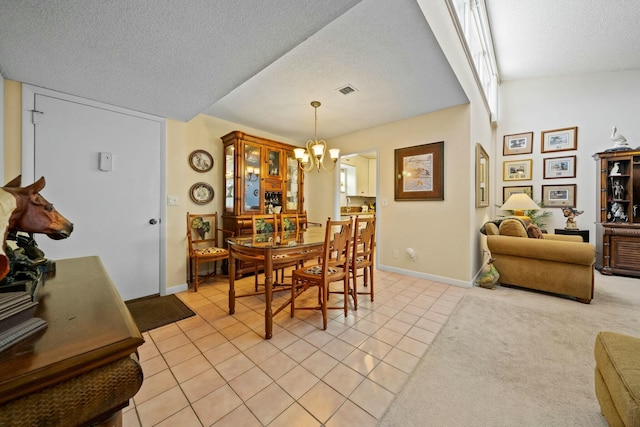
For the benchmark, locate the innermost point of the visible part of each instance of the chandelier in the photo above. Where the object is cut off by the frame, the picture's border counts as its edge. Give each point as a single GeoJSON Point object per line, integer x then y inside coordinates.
{"type": "Point", "coordinates": [314, 155]}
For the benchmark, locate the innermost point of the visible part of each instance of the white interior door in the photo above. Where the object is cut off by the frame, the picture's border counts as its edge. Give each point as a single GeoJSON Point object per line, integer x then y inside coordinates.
{"type": "Point", "coordinates": [114, 204]}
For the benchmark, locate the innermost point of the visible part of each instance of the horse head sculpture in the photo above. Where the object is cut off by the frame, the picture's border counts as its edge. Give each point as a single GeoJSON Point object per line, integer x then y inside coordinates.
{"type": "Point", "coordinates": [24, 209]}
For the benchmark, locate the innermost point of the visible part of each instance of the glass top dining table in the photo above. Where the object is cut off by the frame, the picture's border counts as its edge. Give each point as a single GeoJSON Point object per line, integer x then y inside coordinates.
{"type": "Point", "coordinates": [262, 248]}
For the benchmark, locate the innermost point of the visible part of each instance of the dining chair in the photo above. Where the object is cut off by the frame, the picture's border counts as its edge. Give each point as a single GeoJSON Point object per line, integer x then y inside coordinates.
{"type": "Point", "coordinates": [269, 223]}
{"type": "Point", "coordinates": [362, 258]}
{"type": "Point", "coordinates": [333, 268]}
{"type": "Point", "coordinates": [203, 247]}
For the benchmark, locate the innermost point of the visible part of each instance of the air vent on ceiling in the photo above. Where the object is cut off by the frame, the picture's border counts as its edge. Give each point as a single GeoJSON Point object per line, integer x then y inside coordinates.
{"type": "Point", "coordinates": [346, 90]}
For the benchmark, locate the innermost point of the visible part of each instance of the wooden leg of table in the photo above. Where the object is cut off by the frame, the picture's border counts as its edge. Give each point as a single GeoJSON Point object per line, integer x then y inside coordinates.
{"type": "Point", "coordinates": [232, 278]}
{"type": "Point", "coordinates": [268, 293]}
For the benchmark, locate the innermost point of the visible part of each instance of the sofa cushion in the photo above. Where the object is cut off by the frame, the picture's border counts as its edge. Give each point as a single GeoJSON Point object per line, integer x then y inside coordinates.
{"type": "Point", "coordinates": [534, 232]}
{"type": "Point", "coordinates": [491, 229]}
{"type": "Point", "coordinates": [513, 228]}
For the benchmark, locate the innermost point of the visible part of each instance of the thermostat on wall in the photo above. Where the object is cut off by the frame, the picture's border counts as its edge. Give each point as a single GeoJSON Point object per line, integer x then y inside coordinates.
{"type": "Point", "coordinates": [106, 161]}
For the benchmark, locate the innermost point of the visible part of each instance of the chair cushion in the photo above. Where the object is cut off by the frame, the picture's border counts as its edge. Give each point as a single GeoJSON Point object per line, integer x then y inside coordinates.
{"type": "Point", "coordinates": [317, 270]}
{"type": "Point", "coordinates": [210, 251]}
{"type": "Point", "coordinates": [512, 227]}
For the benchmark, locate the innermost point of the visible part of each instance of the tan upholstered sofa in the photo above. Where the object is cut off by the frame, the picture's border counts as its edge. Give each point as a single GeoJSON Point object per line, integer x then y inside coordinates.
{"type": "Point", "coordinates": [552, 263]}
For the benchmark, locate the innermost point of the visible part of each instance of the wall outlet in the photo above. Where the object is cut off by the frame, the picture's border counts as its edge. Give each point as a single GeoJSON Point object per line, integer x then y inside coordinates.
{"type": "Point", "coordinates": [395, 254]}
{"type": "Point", "coordinates": [172, 200]}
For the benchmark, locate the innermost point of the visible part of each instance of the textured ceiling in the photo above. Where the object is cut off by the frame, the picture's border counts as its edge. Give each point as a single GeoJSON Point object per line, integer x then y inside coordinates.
{"type": "Point", "coordinates": [258, 63]}
{"type": "Point", "coordinates": [538, 38]}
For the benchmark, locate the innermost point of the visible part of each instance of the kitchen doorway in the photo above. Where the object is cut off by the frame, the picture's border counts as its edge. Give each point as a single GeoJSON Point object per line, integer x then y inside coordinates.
{"type": "Point", "coordinates": [357, 190]}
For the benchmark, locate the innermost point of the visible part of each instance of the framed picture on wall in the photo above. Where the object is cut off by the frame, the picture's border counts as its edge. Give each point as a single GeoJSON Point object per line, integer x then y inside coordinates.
{"type": "Point", "coordinates": [516, 170]}
{"type": "Point", "coordinates": [519, 143]}
{"type": "Point", "coordinates": [560, 140]}
{"type": "Point", "coordinates": [560, 167]}
{"type": "Point", "coordinates": [508, 191]}
{"type": "Point", "coordinates": [419, 172]}
{"type": "Point", "coordinates": [559, 196]}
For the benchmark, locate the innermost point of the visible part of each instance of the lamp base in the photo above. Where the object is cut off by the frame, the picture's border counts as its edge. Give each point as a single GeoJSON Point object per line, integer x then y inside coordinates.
{"type": "Point", "coordinates": [518, 212]}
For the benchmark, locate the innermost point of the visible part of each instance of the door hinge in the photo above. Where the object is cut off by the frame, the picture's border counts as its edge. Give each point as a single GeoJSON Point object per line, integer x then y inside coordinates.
{"type": "Point", "coordinates": [33, 115]}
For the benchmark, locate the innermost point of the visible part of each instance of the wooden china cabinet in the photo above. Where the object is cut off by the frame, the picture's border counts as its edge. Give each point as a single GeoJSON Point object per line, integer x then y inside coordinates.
{"type": "Point", "coordinates": [618, 226]}
{"type": "Point", "coordinates": [260, 176]}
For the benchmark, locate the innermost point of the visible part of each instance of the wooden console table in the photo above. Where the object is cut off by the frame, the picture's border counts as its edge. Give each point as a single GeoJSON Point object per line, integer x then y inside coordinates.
{"type": "Point", "coordinates": [82, 369]}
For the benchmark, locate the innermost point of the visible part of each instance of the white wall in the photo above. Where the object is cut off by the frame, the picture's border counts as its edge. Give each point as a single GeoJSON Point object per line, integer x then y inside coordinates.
{"type": "Point", "coordinates": [592, 102]}
{"type": "Point", "coordinates": [2, 126]}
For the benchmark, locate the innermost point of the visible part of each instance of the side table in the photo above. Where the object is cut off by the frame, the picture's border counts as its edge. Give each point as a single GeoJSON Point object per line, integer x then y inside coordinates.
{"type": "Point", "coordinates": [583, 233]}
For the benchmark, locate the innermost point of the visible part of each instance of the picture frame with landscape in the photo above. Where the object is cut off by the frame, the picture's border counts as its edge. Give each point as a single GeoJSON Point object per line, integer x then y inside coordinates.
{"type": "Point", "coordinates": [509, 190]}
{"type": "Point", "coordinates": [419, 172]}
{"type": "Point", "coordinates": [516, 170]}
{"type": "Point", "coordinates": [559, 196]}
{"type": "Point", "coordinates": [519, 143]}
{"type": "Point", "coordinates": [565, 139]}
{"type": "Point", "coordinates": [559, 167]}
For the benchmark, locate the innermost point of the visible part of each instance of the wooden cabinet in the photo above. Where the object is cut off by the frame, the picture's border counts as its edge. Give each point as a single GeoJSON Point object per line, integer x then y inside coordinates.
{"type": "Point", "coordinates": [260, 176]}
{"type": "Point", "coordinates": [618, 226]}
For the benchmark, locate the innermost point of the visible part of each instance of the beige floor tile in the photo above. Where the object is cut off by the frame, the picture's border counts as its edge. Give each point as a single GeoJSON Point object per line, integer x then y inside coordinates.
{"type": "Point", "coordinates": [202, 384]}
{"type": "Point", "coordinates": [299, 350]}
{"type": "Point", "coordinates": [412, 346]}
{"type": "Point", "coordinates": [353, 337]}
{"type": "Point", "coordinates": [155, 385]}
{"type": "Point", "coordinates": [172, 342]}
{"type": "Point", "coordinates": [388, 377]}
{"type": "Point", "coordinates": [295, 415]}
{"type": "Point", "coordinates": [429, 325]}
{"type": "Point", "coordinates": [221, 353]}
{"type": "Point", "coordinates": [184, 418]}
{"type": "Point", "coordinates": [201, 331]}
{"type": "Point", "coordinates": [234, 366]}
{"type": "Point", "coordinates": [181, 354]}
{"type": "Point", "coordinates": [375, 347]}
{"type": "Point", "coordinates": [401, 360]}
{"type": "Point", "coordinates": [361, 361]}
{"type": "Point", "coordinates": [162, 406]}
{"type": "Point", "coordinates": [269, 403]}
{"type": "Point", "coordinates": [234, 330]}
{"type": "Point", "coordinates": [351, 415]}
{"type": "Point", "coordinates": [239, 417]}
{"type": "Point", "coordinates": [322, 401]}
{"type": "Point", "coordinates": [343, 379]}
{"type": "Point", "coordinates": [210, 341]}
{"type": "Point", "coordinates": [372, 397]}
{"type": "Point", "coordinates": [148, 350]}
{"type": "Point", "coordinates": [250, 383]}
{"type": "Point", "coordinates": [278, 365]}
{"type": "Point", "coordinates": [154, 365]}
{"type": "Point", "coordinates": [398, 326]}
{"type": "Point", "coordinates": [216, 405]}
{"type": "Point", "coordinates": [366, 326]}
{"type": "Point", "coordinates": [421, 335]}
{"type": "Point", "coordinates": [130, 419]}
{"type": "Point", "coordinates": [319, 363]}
{"type": "Point", "coordinates": [261, 351]}
{"type": "Point", "coordinates": [387, 335]}
{"type": "Point", "coordinates": [338, 348]}
{"type": "Point", "coordinates": [297, 381]}
{"type": "Point", "coordinates": [190, 368]}
{"type": "Point", "coordinates": [164, 332]}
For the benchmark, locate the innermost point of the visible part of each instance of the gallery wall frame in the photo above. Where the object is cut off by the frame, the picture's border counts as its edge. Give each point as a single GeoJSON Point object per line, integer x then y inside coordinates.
{"type": "Point", "coordinates": [565, 139]}
{"type": "Point", "coordinates": [518, 143]}
{"type": "Point", "coordinates": [517, 170]}
{"type": "Point", "coordinates": [559, 196]}
{"type": "Point", "coordinates": [419, 172]}
{"type": "Point", "coordinates": [559, 167]}
{"type": "Point", "coordinates": [514, 189]}
{"type": "Point", "coordinates": [200, 161]}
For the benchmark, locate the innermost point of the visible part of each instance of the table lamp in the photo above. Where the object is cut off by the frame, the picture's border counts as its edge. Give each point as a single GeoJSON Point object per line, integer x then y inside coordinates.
{"type": "Point", "coordinates": [518, 203]}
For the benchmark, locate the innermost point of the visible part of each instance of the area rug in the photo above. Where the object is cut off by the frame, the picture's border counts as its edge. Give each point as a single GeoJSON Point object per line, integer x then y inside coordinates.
{"type": "Point", "coordinates": [512, 357]}
{"type": "Point", "coordinates": [155, 311]}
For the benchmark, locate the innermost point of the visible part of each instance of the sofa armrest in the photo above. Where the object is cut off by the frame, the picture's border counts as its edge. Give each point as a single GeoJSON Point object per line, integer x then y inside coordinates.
{"type": "Point", "coordinates": [574, 252]}
{"type": "Point", "coordinates": [563, 237]}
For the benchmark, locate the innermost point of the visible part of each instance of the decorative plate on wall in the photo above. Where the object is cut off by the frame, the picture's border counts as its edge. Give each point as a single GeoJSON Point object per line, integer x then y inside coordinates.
{"type": "Point", "coordinates": [201, 161]}
{"type": "Point", "coordinates": [201, 193]}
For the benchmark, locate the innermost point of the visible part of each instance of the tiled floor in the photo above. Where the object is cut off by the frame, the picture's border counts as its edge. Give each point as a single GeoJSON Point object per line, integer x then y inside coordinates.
{"type": "Point", "coordinates": [216, 369]}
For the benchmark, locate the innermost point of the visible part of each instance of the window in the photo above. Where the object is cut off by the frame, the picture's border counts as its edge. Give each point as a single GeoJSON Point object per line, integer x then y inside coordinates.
{"type": "Point", "coordinates": [474, 26]}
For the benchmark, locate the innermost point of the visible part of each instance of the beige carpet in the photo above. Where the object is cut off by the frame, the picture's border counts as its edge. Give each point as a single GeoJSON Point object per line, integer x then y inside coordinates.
{"type": "Point", "coordinates": [512, 357]}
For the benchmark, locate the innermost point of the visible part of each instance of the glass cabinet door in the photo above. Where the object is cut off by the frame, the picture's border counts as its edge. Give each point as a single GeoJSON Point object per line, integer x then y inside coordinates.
{"type": "Point", "coordinates": [292, 184]}
{"type": "Point", "coordinates": [273, 163]}
{"type": "Point", "coordinates": [229, 173]}
{"type": "Point", "coordinates": [252, 162]}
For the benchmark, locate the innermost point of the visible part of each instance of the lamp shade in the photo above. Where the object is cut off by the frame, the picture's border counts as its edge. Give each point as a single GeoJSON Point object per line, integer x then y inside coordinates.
{"type": "Point", "coordinates": [518, 203]}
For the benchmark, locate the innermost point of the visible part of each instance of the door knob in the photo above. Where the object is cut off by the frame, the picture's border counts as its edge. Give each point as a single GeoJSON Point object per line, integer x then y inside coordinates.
{"type": "Point", "coordinates": [153, 221]}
